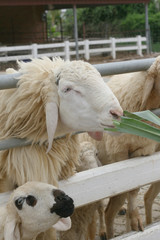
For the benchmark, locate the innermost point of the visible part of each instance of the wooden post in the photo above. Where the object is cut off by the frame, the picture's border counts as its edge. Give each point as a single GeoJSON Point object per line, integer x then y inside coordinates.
{"type": "Point", "coordinates": [66, 50]}
{"type": "Point", "coordinates": [113, 47]}
{"type": "Point", "coordinates": [86, 49]}
{"type": "Point", "coordinates": [34, 50]}
{"type": "Point", "coordinates": [139, 45]}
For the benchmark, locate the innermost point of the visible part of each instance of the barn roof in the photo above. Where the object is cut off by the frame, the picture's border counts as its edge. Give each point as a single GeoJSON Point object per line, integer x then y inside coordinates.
{"type": "Point", "coordinates": [66, 3]}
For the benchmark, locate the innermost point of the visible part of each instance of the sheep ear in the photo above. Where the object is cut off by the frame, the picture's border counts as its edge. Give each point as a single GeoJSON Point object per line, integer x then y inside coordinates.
{"type": "Point", "coordinates": [146, 91]}
{"type": "Point", "coordinates": [11, 230]}
{"type": "Point", "coordinates": [51, 122]}
{"type": "Point", "coordinates": [63, 224]}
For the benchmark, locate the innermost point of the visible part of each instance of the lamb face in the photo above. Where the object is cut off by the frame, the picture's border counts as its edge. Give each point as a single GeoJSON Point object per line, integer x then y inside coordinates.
{"type": "Point", "coordinates": [40, 206]}
{"type": "Point", "coordinates": [86, 102]}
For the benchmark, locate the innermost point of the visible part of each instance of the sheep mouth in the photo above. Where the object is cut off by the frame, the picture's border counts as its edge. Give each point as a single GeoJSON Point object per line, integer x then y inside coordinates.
{"type": "Point", "coordinates": [107, 126]}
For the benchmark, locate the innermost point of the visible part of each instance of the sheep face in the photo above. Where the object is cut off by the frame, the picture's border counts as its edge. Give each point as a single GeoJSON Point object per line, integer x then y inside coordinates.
{"type": "Point", "coordinates": [39, 206]}
{"type": "Point", "coordinates": [86, 102]}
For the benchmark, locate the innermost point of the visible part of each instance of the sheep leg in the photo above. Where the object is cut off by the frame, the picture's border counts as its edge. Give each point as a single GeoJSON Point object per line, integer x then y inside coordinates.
{"type": "Point", "coordinates": [102, 225]}
{"type": "Point", "coordinates": [149, 197]}
{"type": "Point", "coordinates": [114, 205]}
{"type": "Point", "coordinates": [92, 229]}
{"type": "Point", "coordinates": [133, 217]}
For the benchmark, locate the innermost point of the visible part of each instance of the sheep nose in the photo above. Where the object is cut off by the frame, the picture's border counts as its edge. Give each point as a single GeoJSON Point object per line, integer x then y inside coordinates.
{"type": "Point", "coordinates": [64, 206]}
{"type": "Point", "coordinates": [116, 114]}
{"type": "Point", "coordinates": [60, 195]}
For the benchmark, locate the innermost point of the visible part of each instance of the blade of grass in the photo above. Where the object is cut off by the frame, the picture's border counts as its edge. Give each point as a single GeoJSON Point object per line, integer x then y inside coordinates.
{"type": "Point", "coordinates": [139, 125]}
{"type": "Point", "coordinates": [125, 128]}
{"type": "Point", "coordinates": [144, 115]}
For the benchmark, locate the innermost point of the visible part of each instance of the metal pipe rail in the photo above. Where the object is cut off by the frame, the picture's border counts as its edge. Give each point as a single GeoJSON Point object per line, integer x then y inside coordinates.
{"type": "Point", "coordinates": [8, 81]}
{"type": "Point", "coordinates": [124, 66]}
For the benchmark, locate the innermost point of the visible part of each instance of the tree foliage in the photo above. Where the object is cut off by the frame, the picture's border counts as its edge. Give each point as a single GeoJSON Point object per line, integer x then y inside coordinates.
{"type": "Point", "coordinates": [122, 20]}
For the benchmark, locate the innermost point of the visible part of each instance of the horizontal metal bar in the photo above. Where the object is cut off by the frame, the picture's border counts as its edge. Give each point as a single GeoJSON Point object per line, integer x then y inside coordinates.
{"type": "Point", "coordinates": [13, 142]}
{"type": "Point", "coordinates": [10, 80]}
{"type": "Point", "coordinates": [17, 142]}
{"type": "Point", "coordinates": [124, 67]}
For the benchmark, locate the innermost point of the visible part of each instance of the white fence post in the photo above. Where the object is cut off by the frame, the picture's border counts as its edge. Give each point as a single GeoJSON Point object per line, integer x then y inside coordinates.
{"type": "Point", "coordinates": [86, 49]}
{"type": "Point", "coordinates": [66, 50]}
{"type": "Point", "coordinates": [113, 47]}
{"type": "Point", "coordinates": [139, 45]}
{"type": "Point", "coordinates": [34, 50]}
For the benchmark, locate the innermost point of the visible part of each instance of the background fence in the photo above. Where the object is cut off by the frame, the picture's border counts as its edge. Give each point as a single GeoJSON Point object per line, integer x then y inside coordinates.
{"type": "Point", "coordinates": [67, 50]}
{"type": "Point", "coordinates": [95, 184]}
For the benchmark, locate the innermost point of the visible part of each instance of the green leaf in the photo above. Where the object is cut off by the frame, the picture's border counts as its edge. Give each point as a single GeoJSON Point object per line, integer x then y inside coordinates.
{"type": "Point", "coordinates": [140, 125]}
{"type": "Point", "coordinates": [124, 128]}
{"type": "Point", "coordinates": [144, 115]}
{"type": "Point", "coordinates": [133, 123]}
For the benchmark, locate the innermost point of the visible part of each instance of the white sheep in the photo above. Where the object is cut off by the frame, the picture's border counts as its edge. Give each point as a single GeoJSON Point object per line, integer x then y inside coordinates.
{"type": "Point", "coordinates": [136, 92]}
{"type": "Point", "coordinates": [33, 208]}
{"type": "Point", "coordinates": [87, 227]}
{"type": "Point", "coordinates": [52, 98]}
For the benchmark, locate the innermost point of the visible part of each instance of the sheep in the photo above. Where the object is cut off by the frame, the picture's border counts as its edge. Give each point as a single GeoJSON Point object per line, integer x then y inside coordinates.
{"type": "Point", "coordinates": [86, 228]}
{"type": "Point", "coordinates": [52, 98]}
{"type": "Point", "coordinates": [136, 92]}
{"type": "Point", "coordinates": [33, 208]}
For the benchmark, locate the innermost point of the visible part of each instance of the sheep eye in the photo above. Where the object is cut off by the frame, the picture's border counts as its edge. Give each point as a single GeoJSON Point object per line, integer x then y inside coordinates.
{"type": "Point", "coordinates": [67, 89]}
{"type": "Point", "coordinates": [31, 200]}
{"type": "Point", "coordinates": [19, 202]}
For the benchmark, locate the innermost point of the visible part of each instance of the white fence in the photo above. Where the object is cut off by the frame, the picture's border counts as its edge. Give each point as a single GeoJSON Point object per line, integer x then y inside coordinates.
{"type": "Point", "coordinates": [67, 49]}
{"type": "Point", "coordinates": [95, 184]}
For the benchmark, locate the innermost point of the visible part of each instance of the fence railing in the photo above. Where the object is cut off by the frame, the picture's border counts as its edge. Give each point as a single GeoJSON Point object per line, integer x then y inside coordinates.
{"type": "Point", "coordinates": [67, 50]}
{"type": "Point", "coordinates": [106, 181]}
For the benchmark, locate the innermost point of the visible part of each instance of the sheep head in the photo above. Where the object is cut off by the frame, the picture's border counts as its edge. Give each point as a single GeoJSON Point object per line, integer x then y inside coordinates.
{"type": "Point", "coordinates": [86, 103]}
{"type": "Point", "coordinates": [34, 208]}
{"type": "Point", "coordinates": [73, 95]}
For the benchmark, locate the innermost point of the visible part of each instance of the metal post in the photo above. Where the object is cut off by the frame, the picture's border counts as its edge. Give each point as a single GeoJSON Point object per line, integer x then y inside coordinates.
{"type": "Point", "coordinates": [75, 31]}
{"type": "Point", "coordinates": [147, 28]}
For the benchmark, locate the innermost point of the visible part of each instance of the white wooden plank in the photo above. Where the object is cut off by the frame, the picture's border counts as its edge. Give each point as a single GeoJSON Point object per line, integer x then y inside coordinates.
{"type": "Point", "coordinates": [53, 54]}
{"type": "Point", "coordinates": [92, 185]}
{"type": "Point", "coordinates": [51, 45]}
{"type": "Point", "coordinates": [151, 232]}
{"type": "Point", "coordinates": [16, 48]}
{"type": "Point", "coordinates": [125, 40]}
{"type": "Point", "coordinates": [15, 58]}
{"type": "Point", "coordinates": [97, 50]}
{"type": "Point", "coordinates": [99, 42]}
{"type": "Point", "coordinates": [127, 48]}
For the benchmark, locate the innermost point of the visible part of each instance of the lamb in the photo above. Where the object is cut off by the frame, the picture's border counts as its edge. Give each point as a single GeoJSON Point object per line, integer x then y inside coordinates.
{"type": "Point", "coordinates": [52, 98]}
{"type": "Point", "coordinates": [86, 228]}
{"type": "Point", "coordinates": [33, 208]}
{"type": "Point", "coordinates": [136, 92]}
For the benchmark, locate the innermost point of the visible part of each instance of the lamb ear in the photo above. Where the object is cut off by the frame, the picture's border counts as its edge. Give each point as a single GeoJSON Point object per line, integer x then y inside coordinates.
{"type": "Point", "coordinates": [51, 122]}
{"type": "Point", "coordinates": [11, 229]}
{"type": "Point", "coordinates": [63, 224]}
